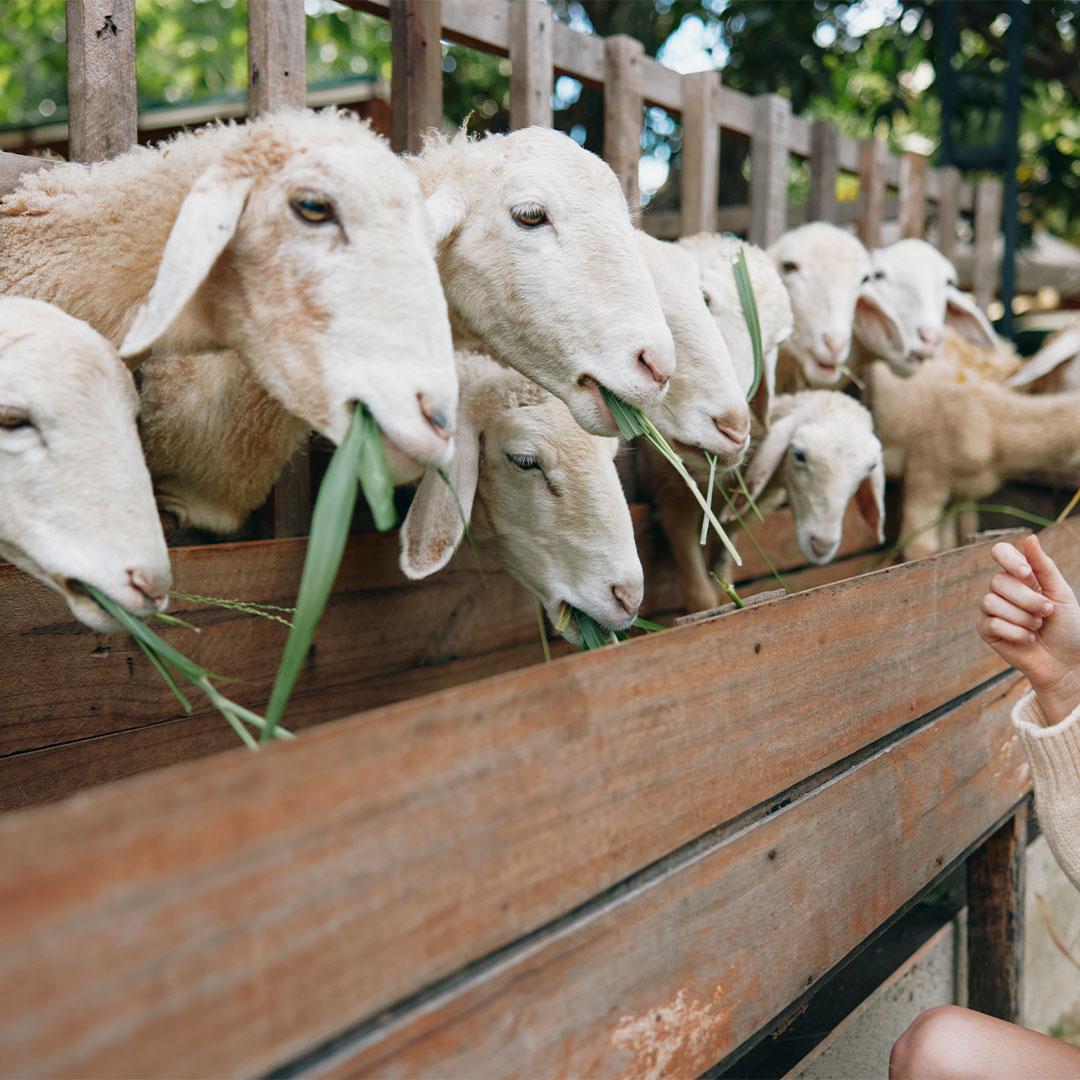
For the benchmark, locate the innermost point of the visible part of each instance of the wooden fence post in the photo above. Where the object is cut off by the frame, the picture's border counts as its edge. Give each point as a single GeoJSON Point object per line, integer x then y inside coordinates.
{"type": "Point", "coordinates": [103, 102]}
{"type": "Point", "coordinates": [532, 64]}
{"type": "Point", "coordinates": [948, 211]}
{"type": "Point", "coordinates": [416, 73]}
{"type": "Point", "coordinates": [872, 153]}
{"type": "Point", "coordinates": [277, 78]}
{"type": "Point", "coordinates": [985, 271]}
{"type": "Point", "coordinates": [700, 178]}
{"type": "Point", "coordinates": [913, 195]}
{"type": "Point", "coordinates": [824, 169]}
{"type": "Point", "coordinates": [995, 944]}
{"type": "Point", "coordinates": [769, 168]}
{"type": "Point", "coordinates": [623, 109]}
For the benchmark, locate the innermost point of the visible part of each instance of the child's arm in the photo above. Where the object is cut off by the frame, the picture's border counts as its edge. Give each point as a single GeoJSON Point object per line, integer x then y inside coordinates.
{"type": "Point", "coordinates": [1031, 618]}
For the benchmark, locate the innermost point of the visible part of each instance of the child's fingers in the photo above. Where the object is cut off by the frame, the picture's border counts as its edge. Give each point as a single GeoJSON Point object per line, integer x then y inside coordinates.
{"type": "Point", "coordinates": [992, 628]}
{"type": "Point", "coordinates": [1020, 595]}
{"type": "Point", "coordinates": [1049, 576]}
{"type": "Point", "coordinates": [1012, 562]}
{"type": "Point", "coordinates": [995, 605]}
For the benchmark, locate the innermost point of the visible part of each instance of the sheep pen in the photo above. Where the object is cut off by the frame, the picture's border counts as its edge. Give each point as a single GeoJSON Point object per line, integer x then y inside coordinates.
{"type": "Point", "coordinates": [688, 838]}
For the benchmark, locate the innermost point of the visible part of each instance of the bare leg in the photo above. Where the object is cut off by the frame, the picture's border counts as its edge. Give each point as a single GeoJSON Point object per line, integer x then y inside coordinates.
{"type": "Point", "coordinates": [950, 1043]}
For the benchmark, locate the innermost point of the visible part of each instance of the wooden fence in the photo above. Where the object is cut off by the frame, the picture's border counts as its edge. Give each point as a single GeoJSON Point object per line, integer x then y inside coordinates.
{"type": "Point", "coordinates": [635, 862]}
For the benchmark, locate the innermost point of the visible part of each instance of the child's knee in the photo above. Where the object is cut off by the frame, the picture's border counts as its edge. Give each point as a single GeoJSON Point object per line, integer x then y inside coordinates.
{"type": "Point", "coordinates": [933, 1046]}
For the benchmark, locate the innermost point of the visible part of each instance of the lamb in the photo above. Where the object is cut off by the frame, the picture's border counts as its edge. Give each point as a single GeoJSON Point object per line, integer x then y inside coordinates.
{"type": "Point", "coordinates": [680, 517]}
{"type": "Point", "coordinates": [1056, 366]}
{"type": "Point", "coordinates": [568, 314]}
{"type": "Point", "coordinates": [260, 238]}
{"type": "Point", "coordinates": [953, 436]}
{"type": "Point", "coordinates": [544, 498]}
{"type": "Point", "coordinates": [75, 496]}
{"type": "Point", "coordinates": [827, 273]}
{"type": "Point", "coordinates": [819, 454]}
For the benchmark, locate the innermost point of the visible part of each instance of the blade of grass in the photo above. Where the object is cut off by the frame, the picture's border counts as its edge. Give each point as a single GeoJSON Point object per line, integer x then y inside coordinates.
{"type": "Point", "coordinates": [1069, 508]}
{"type": "Point", "coordinates": [711, 459]}
{"type": "Point", "coordinates": [373, 472]}
{"type": "Point", "coordinates": [649, 627]}
{"type": "Point", "coordinates": [175, 620]}
{"type": "Point", "coordinates": [445, 477]}
{"type": "Point", "coordinates": [754, 541]}
{"type": "Point", "coordinates": [543, 631]}
{"type": "Point", "coordinates": [845, 370]}
{"type": "Point", "coordinates": [750, 500]}
{"type": "Point", "coordinates": [245, 607]}
{"type": "Point", "coordinates": [750, 315]}
{"type": "Point", "coordinates": [729, 591]}
{"type": "Point", "coordinates": [164, 672]}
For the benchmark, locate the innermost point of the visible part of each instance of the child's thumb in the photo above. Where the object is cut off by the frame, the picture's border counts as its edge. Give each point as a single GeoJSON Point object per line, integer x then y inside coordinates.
{"type": "Point", "coordinates": [1050, 578]}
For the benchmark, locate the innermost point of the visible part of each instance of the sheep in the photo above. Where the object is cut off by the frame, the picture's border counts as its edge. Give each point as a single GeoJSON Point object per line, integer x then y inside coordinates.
{"type": "Point", "coordinates": [567, 317]}
{"type": "Point", "coordinates": [819, 454]}
{"type": "Point", "coordinates": [1056, 366]}
{"type": "Point", "coordinates": [538, 259]}
{"type": "Point", "coordinates": [261, 238]}
{"type": "Point", "coordinates": [827, 273]}
{"type": "Point", "coordinates": [543, 495]}
{"type": "Point", "coordinates": [75, 496]}
{"type": "Point", "coordinates": [678, 512]}
{"type": "Point", "coordinates": [950, 435]}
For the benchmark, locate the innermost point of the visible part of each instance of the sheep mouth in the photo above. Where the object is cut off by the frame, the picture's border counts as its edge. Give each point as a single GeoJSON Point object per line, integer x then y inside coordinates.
{"type": "Point", "coordinates": [830, 371]}
{"type": "Point", "coordinates": [592, 387]}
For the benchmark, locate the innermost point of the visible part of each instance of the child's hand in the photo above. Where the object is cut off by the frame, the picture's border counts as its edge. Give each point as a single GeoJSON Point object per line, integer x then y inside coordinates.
{"type": "Point", "coordinates": [1031, 618]}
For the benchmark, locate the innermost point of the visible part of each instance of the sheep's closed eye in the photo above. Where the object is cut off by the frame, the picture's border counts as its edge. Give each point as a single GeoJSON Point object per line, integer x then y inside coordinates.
{"type": "Point", "coordinates": [313, 209]}
{"type": "Point", "coordinates": [789, 267]}
{"type": "Point", "coordinates": [12, 419]}
{"type": "Point", "coordinates": [529, 217]}
{"type": "Point", "coordinates": [525, 462]}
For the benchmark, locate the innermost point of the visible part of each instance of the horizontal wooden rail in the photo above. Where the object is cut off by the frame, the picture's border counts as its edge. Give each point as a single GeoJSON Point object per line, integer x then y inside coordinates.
{"type": "Point", "coordinates": [523, 796]}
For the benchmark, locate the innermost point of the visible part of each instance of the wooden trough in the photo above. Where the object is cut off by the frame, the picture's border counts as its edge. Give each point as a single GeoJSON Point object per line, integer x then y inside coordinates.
{"type": "Point", "coordinates": [635, 862]}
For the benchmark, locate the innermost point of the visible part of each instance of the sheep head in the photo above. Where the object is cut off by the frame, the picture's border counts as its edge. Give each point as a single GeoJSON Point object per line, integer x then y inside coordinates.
{"type": "Point", "coordinates": [540, 265]}
{"type": "Point", "coordinates": [78, 505]}
{"type": "Point", "coordinates": [544, 498]}
{"type": "Point", "coordinates": [306, 247]}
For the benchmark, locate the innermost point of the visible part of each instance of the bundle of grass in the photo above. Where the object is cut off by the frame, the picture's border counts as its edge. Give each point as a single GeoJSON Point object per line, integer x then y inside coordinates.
{"type": "Point", "coordinates": [170, 662]}
{"type": "Point", "coordinates": [591, 635]}
{"type": "Point", "coordinates": [359, 457]}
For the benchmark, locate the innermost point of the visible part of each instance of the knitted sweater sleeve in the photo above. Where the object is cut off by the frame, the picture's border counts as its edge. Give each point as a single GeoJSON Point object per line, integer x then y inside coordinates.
{"type": "Point", "coordinates": [1054, 753]}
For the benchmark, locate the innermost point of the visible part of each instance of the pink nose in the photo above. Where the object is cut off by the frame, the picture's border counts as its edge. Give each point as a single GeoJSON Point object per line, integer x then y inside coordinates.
{"type": "Point", "coordinates": [154, 591]}
{"type": "Point", "coordinates": [647, 360]}
{"type": "Point", "coordinates": [930, 338]}
{"type": "Point", "coordinates": [735, 429]}
{"type": "Point", "coordinates": [627, 598]}
{"type": "Point", "coordinates": [834, 347]}
{"type": "Point", "coordinates": [436, 417]}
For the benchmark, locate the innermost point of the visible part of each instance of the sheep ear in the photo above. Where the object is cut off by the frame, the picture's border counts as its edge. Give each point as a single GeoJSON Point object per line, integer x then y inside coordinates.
{"type": "Point", "coordinates": [766, 461]}
{"type": "Point", "coordinates": [870, 500]}
{"type": "Point", "coordinates": [761, 402]}
{"type": "Point", "coordinates": [433, 527]}
{"type": "Point", "coordinates": [207, 221]}
{"type": "Point", "coordinates": [878, 327]}
{"type": "Point", "coordinates": [967, 318]}
{"type": "Point", "coordinates": [446, 212]}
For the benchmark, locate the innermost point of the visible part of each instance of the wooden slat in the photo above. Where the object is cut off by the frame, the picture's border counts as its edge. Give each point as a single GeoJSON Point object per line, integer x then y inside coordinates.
{"type": "Point", "coordinates": [800, 137]}
{"type": "Point", "coordinates": [532, 64]}
{"type": "Point", "coordinates": [985, 270]}
{"type": "Point", "coordinates": [15, 166]}
{"type": "Point", "coordinates": [623, 111]}
{"type": "Point", "coordinates": [948, 212]}
{"type": "Point", "coordinates": [995, 926]}
{"type": "Point", "coordinates": [579, 55]}
{"type": "Point", "coordinates": [737, 111]}
{"type": "Point", "coordinates": [662, 86]}
{"type": "Point", "coordinates": [848, 153]}
{"type": "Point", "coordinates": [672, 974]}
{"type": "Point", "coordinates": [872, 154]}
{"type": "Point", "coordinates": [277, 63]}
{"type": "Point", "coordinates": [913, 169]}
{"type": "Point", "coordinates": [627, 744]}
{"type": "Point", "coordinates": [769, 168]}
{"type": "Point", "coordinates": [700, 175]}
{"type": "Point", "coordinates": [416, 72]}
{"type": "Point", "coordinates": [824, 169]}
{"type": "Point", "coordinates": [103, 101]}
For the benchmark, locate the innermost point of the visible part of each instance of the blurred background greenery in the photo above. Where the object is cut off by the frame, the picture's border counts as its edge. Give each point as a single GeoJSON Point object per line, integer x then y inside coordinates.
{"type": "Point", "coordinates": [870, 65]}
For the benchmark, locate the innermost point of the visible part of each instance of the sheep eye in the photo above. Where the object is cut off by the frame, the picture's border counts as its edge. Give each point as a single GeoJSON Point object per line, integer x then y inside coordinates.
{"type": "Point", "coordinates": [879, 275]}
{"type": "Point", "coordinates": [708, 299]}
{"type": "Point", "coordinates": [14, 419]}
{"type": "Point", "coordinates": [799, 456]}
{"type": "Point", "coordinates": [313, 209]}
{"type": "Point", "coordinates": [789, 267]}
{"type": "Point", "coordinates": [865, 280]}
{"type": "Point", "coordinates": [525, 462]}
{"type": "Point", "coordinates": [529, 217]}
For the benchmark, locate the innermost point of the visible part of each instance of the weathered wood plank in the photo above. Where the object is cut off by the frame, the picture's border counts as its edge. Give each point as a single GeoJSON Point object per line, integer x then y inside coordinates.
{"type": "Point", "coordinates": [13, 167]}
{"type": "Point", "coordinates": [948, 211]}
{"type": "Point", "coordinates": [532, 63]}
{"type": "Point", "coordinates": [872, 155]}
{"type": "Point", "coordinates": [824, 169]}
{"type": "Point", "coordinates": [623, 111]}
{"type": "Point", "coordinates": [277, 63]}
{"type": "Point", "coordinates": [995, 927]}
{"type": "Point", "coordinates": [103, 102]}
{"type": "Point", "coordinates": [700, 176]}
{"type": "Point", "coordinates": [416, 72]}
{"type": "Point", "coordinates": [669, 976]}
{"type": "Point", "coordinates": [769, 168]}
{"type": "Point", "coordinates": [985, 268]}
{"type": "Point", "coordinates": [344, 819]}
{"type": "Point", "coordinates": [913, 169]}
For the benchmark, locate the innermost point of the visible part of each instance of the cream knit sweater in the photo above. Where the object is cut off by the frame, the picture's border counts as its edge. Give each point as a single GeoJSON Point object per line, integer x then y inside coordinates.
{"type": "Point", "coordinates": [1054, 753]}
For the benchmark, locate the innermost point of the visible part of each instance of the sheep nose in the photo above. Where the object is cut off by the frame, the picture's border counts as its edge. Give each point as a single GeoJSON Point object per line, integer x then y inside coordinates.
{"type": "Point", "coordinates": [820, 546]}
{"type": "Point", "coordinates": [646, 358]}
{"type": "Point", "coordinates": [155, 591]}
{"type": "Point", "coordinates": [435, 417]}
{"type": "Point", "coordinates": [834, 348]}
{"type": "Point", "coordinates": [734, 427]}
{"type": "Point", "coordinates": [628, 598]}
{"type": "Point", "coordinates": [930, 338]}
